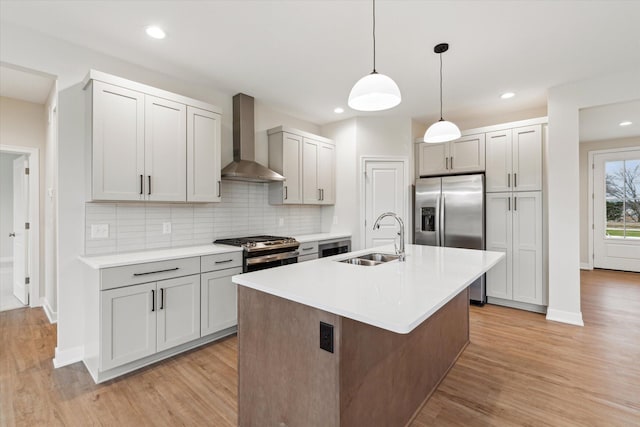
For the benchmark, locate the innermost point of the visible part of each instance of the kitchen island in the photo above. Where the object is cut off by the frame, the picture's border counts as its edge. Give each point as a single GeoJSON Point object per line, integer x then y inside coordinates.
{"type": "Point", "coordinates": [389, 334]}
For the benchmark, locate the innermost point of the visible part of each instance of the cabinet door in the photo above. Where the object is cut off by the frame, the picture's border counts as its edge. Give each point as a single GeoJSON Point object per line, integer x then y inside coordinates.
{"type": "Point", "coordinates": [117, 153]}
{"type": "Point", "coordinates": [310, 154]}
{"type": "Point", "coordinates": [203, 155]}
{"type": "Point", "coordinates": [527, 247]}
{"type": "Point", "coordinates": [498, 163]}
{"type": "Point", "coordinates": [327, 174]}
{"type": "Point", "coordinates": [219, 303]}
{"type": "Point", "coordinates": [178, 308]}
{"type": "Point", "coordinates": [165, 159]}
{"type": "Point", "coordinates": [499, 238]}
{"type": "Point", "coordinates": [467, 154]}
{"type": "Point", "coordinates": [128, 324]}
{"type": "Point", "coordinates": [433, 159]}
{"type": "Point", "coordinates": [527, 158]}
{"type": "Point", "coordinates": [292, 168]}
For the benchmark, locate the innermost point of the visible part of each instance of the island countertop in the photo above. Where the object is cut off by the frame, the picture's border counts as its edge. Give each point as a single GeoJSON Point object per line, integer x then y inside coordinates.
{"type": "Point", "coordinates": [396, 296]}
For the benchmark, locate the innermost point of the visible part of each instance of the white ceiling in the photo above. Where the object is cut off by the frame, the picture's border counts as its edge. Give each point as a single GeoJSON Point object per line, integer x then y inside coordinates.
{"type": "Point", "coordinates": [25, 85]}
{"type": "Point", "coordinates": [603, 122]}
{"type": "Point", "coordinates": [303, 56]}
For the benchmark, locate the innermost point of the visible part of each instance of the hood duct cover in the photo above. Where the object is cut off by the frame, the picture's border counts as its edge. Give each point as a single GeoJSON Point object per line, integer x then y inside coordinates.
{"type": "Point", "coordinates": [244, 167]}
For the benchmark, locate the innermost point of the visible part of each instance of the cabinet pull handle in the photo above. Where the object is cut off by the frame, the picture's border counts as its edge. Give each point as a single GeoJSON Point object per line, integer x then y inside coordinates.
{"type": "Point", "coordinates": [508, 180]}
{"type": "Point", "coordinates": [153, 300]}
{"type": "Point", "coordinates": [515, 179]}
{"type": "Point", "coordinates": [223, 261]}
{"type": "Point", "coordinates": [149, 184]}
{"type": "Point", "coordinates": [319, 194]}
{"type": "Point", "coordinates": [286, 193]}
{"type": "Point", "coordinates": [141, 184]}
{"type": "Point", "coordinates": [452, 162]}
{"type": "Point", "coordinates": [322, 192]}
{"type": "Point", "coordinates": [308, 248]}
{"type": "Point", "coordinates": [515, 203]}
{"type": "Point", "coordinates": [161, 298]}
{"type": "Point", "coordinates": [446, 163]}
{"type": "Point", "coordinates": [219, 189]}
{"type": "Point", "coordinates": [509, 204]}
{"type": "Point", "coordinates": [158, 271]}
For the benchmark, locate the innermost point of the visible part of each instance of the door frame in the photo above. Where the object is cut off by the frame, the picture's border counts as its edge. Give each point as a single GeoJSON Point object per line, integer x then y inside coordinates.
{"type": "Point", "coordinates": [592, 154]}
{"type": "Point", "coordinates": [408, 221]}
{"type": "Point", "coordinates": [34, 218]}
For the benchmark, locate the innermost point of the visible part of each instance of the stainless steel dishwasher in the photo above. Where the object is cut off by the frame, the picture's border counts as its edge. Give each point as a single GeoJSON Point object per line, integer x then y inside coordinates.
{"type": "Point", "coordinates": [334, 247]}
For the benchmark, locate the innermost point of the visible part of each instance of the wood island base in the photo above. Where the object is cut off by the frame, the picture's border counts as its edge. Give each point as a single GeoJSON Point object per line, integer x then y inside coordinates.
{"type": "Point", "coordinates": [374, 377]}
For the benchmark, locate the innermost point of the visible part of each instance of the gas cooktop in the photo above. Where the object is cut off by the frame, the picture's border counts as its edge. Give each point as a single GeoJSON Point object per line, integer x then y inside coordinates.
{"type": "Point", "coordinates": [257, 243]}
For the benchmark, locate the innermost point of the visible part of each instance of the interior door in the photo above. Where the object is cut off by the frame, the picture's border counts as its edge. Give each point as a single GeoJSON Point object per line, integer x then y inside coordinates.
{"type": "Point", "coordinates": [385, 191]}
{"type": "Point", "coordinates": [20, 233]}
{"type": "Point", "coordinates": [616, 210]}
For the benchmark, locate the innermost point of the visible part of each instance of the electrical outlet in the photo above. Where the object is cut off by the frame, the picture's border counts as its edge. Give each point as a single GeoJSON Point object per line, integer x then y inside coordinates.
{"type": "Point", "coordinates": [280, 222]}
{"type": "Point", "coordinates": [335, 220]}
{"type": "Point", "coordinates": [99, 231]}
{"type": "Point", "coordinates": [166, 228]}
{"type": "Point", "coordinates": [326, 337]}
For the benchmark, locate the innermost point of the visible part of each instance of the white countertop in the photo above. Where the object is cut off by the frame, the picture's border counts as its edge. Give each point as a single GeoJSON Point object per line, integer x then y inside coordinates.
{"type": "Point", "coordinates": [129, 258]}
{"type": "Point", "coordinates": [321, 236]}
{"type": "Point", "coordinates": [397, 296]}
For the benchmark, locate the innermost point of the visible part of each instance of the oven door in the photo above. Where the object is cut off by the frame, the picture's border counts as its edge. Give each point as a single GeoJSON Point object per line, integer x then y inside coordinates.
{"type": "Point", "coordinates": [262, 262]}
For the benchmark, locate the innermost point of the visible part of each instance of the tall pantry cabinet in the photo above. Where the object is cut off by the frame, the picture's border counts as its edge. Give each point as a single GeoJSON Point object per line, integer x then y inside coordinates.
{"type": "Point", "coordinates": [514, 216]}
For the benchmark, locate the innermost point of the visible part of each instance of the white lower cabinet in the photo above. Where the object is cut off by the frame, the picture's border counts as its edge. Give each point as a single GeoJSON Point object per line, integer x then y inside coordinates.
{"type": "Point", "coordinates": [219, 301]}
{"type": "Point", "coordinates": [178, 311]}
{"type": "Point", "coordinates": [514, 226]}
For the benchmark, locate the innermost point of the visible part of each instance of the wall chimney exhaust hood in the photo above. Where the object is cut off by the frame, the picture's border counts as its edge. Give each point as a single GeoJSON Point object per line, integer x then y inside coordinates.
{"type": "Point", "coordinates": [244, 167]}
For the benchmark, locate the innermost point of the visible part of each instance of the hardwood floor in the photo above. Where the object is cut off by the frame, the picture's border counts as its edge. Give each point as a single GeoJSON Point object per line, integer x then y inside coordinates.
{"type": "Point", "coordinates": [518, 370]}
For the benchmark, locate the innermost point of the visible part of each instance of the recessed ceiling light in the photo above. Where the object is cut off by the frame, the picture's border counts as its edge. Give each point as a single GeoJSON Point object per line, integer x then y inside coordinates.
{"type": "Point", "coordinates": [155, 32]}
{"type": "Point", "coordinates": [627, 123]}
{"type": "Point", "coordinates": [507, 95]}
{"type": "Point", "coordinates": [338, 110]}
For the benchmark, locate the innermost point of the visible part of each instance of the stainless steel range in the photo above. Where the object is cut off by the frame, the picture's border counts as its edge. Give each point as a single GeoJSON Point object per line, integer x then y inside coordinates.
{"type": "Point", "coordinates": [262, 252]}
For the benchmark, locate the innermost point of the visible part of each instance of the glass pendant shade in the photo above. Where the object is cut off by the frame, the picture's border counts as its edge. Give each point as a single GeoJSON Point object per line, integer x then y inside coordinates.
{"type": "Point", "coordinates": [442, 131]}
{"type": "Point", "coordinates": [374, 92]}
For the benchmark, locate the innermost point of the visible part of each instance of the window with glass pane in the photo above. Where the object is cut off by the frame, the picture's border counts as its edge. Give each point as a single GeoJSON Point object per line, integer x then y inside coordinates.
{"type": "Point", "coordinates": [623, 199]}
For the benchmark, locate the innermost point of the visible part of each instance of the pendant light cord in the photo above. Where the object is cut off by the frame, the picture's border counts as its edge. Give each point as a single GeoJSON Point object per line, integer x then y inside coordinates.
{"type": "Point", "coordinates": [374, 37]}
{"type": "Point", "coordinates": [441, 119]}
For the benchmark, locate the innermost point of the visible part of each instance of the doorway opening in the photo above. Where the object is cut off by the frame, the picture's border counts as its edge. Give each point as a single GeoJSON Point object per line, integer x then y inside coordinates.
{"type": "Point", "coordinates": [19, 227]}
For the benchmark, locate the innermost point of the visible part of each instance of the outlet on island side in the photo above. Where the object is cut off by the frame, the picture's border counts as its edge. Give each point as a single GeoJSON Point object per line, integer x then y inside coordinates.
{"type": "Point", "coordinates": [326, 337]}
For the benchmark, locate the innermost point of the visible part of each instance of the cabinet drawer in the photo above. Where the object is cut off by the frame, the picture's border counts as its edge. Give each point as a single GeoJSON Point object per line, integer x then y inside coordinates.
{"type": "Point", "coordinates": [116, 277]}
{"type": "Point", "coordinates": [221, 261]}
{"type": "Point", "coordinates": [303, 258]}
{"type": "Point", "coordinates": [308, 248]}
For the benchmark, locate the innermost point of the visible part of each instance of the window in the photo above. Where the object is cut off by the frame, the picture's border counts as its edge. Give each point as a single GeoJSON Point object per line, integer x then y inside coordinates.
{"type": "Point", "coordinates": [622, 180]}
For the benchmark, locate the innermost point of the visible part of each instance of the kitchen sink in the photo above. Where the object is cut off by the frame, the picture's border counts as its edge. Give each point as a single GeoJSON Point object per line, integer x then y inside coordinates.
{"type": "Point", "coordinates": [370, 259]}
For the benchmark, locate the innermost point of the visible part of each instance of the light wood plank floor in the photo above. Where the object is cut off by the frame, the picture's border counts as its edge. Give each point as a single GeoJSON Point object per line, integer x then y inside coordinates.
{"type": "Point", "coordinates": [518, 370]}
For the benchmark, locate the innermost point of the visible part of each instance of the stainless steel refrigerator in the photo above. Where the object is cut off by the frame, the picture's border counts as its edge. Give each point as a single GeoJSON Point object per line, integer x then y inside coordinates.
{"type": "Point", "coordinates": [449, 211]}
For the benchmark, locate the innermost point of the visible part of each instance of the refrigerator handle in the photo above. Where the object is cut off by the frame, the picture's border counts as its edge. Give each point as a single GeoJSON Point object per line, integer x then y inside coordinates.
{"type": "Point", "coordinates": [437, 221]}
{"type": "Point", "coordinates": [441, 213]}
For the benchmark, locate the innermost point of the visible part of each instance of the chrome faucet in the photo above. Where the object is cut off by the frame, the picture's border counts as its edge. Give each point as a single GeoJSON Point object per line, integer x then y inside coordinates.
{"type": "Point", "coordinates": [376, 226]}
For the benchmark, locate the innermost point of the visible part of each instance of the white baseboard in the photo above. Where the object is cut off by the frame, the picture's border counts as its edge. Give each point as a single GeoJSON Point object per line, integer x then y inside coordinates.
{"type": "Point", "coordinates": [562, 316]}
{"type": "Point", "coordinates": [68, 357]}
{"type": "Point", "coordinates": [585, 266]}
{"type": "Point", "coordinates": [51, 315]}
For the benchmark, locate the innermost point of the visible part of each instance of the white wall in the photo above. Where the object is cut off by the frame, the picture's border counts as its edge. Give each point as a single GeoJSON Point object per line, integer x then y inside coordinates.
{"type": "Point", "coordinates": [23, 124]}
{"type": "Point", "coordinates": [585, 148]}
{"type": "Point", "coordinates": [50, 192]}
{"type": "Point", "coordinates": [564, 103]}
{"type": "Point", "coordinates": [6, 205]}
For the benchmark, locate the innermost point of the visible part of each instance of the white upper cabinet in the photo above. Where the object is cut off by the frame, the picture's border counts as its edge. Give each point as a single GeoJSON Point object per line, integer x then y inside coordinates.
{"type": "Point", "coordinates": [117, 155]}
{"type": "Point", "coordinates": [466, 154]}
{"type": "Point", "coordinates": [165, 150]}
{"type": "Point", "coordinates": [203, 155]}
{"type": "Point", "coordinates": [148, 144]}
{"type": "Point", "coordinates": [514, 159]}
{"type": "Point", "coordinates": [308, 163]}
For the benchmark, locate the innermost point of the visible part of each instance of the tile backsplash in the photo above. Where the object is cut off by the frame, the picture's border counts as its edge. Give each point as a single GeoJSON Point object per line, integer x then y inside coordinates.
{"type": "Point", "coordinates": [244, 211]}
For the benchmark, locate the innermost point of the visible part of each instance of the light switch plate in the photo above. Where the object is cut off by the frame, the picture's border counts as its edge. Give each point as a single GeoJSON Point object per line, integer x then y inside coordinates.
{"type": "Point", "coordinates": [166, 228]}
{"type": "Point", "coordinates": [335, 220]}
{"type": "Point", "coordinates": [99, 231]}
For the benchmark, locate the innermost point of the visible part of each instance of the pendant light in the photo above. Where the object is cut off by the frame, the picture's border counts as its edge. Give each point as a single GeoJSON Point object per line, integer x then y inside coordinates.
{"type": "Point", "coordinates": [374, 92]}
{"type": "Point", "coordinates": [442, 130]}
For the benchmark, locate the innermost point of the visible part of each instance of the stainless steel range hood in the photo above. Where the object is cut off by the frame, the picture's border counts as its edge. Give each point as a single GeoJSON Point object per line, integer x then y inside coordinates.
{"type": "Point", "coordinates": [244, 167]}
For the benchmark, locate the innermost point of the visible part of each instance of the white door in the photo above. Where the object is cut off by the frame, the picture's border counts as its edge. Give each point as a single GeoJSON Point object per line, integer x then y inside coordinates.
{"type": "Point", "coordinates": [527, 247]}
{"type": "Point", "coordinates": [385, 191]}
{"type": "Point", "coordinates": [499, 239]}
{"type": "Point", "coordinates": [616, 210]}
{"type": "Point", "coordinates": [203, 155]}
{"type": "Point", "coordinates": [20, 234]}
{"type": "Point", "coordinates": [178, 302]}
{"type": "Point", "coordinates": [165, 150]}
{"type": "Point", "coordinates": [498, 161]}
{"type": "Point", "coordinates": [327, 174]}
{"type": "Point", "coordinates": [292, 168]}
{"type": "Point", "coordinates": [433, 159]}
{"type": "Point", "coordinates": [310, 153]}
{"type": "Point", "coordinates": [467, 154]}
{"type": "Point", "coordinates": [527, 158]}
{"type": "Point", "coordinates": [219, 301]}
